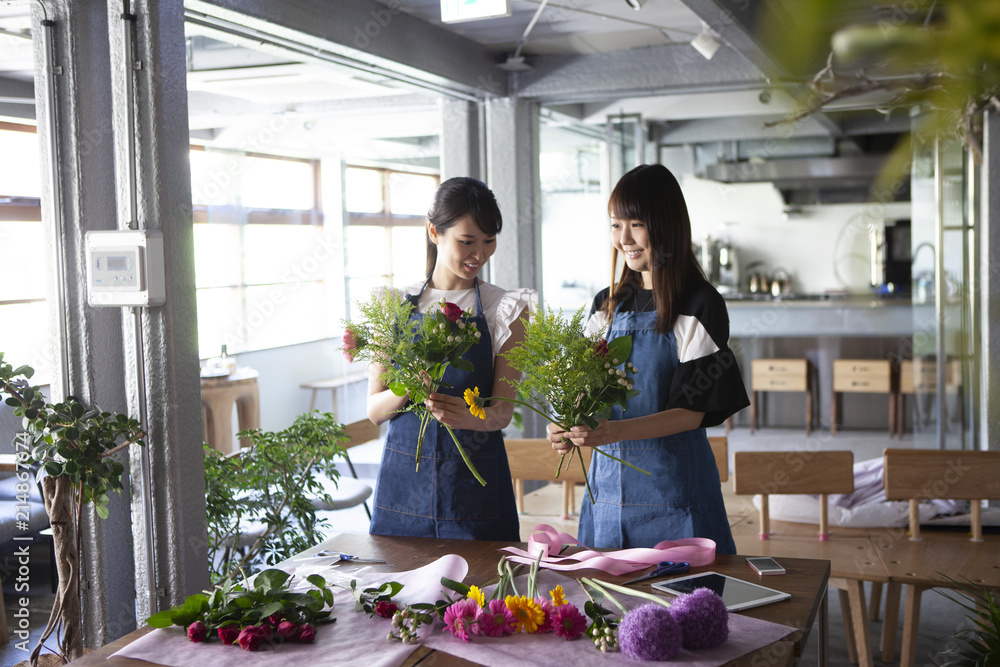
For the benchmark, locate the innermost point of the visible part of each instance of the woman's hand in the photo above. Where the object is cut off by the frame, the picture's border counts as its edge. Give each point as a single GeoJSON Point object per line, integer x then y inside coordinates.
{"type": "Point", "coordinates": [557, 437]}
{"type": "Point", "coordinates": [583, 436]}
{"type": "Point", "coordinates": [452, 411]}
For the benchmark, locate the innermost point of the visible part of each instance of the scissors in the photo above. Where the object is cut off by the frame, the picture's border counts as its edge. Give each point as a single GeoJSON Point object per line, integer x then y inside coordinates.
{"type": "Point", "coordinates": [663, 568]}
{"type": "Point", "coordinates": [344, 557]}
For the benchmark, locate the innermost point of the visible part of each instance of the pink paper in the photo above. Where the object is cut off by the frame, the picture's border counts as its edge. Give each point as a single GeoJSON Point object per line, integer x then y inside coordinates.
{"type": "Point", "coordinates": [745, 635]}
{"type": "Point", "coordinates": [546, 540]}
{"type": "Point", "coordinates": [354, 640]}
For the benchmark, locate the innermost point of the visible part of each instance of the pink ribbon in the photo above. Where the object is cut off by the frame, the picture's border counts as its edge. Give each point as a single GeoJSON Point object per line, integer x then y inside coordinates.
{"type": "Point", "coordinates": [547, 540]}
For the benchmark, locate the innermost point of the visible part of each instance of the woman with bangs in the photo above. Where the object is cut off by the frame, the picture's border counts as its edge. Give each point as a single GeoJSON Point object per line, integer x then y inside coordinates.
{"type": "Point", "coordinates": [443, 499]}
{"type": "Point", "coordinates": [687, 376]}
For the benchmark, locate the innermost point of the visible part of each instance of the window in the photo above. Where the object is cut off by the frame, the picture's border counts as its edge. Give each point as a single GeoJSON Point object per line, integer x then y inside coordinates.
{"type": "Point", "coordinates": [27, 336]}
{"type": "Point", "coordinates": [385, 234]}
{"type": "Point", "coordinates": [261, 252]}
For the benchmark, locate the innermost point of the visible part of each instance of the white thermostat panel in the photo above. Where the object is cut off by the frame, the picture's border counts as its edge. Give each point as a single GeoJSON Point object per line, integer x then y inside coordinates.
{"type": "Point", "coordinates": [125, 268]}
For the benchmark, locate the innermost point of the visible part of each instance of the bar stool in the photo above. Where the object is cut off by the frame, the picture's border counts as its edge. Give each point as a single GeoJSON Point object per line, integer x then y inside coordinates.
{"type": "Point", "coordinates": [780, 375]}
{"type": "Point", "coordinates": [919, 376]}
{"type": "Point", "coordinates": [868, 376]}
{"type": "Point", "coordinates": [218, 395]}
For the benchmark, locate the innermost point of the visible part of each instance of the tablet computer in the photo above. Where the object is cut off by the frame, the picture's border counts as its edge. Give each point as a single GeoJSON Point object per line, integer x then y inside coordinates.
{"type": "Point", "coordinates": [736, 594]}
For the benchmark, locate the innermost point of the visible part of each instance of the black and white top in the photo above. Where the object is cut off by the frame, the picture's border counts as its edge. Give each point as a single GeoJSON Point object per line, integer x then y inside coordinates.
{"type": "Point", "coordinates": [704, 358]}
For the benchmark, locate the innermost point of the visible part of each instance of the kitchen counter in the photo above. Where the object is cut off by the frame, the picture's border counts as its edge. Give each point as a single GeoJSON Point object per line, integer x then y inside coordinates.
{"type": "Point", "coordinates": [813, 315]}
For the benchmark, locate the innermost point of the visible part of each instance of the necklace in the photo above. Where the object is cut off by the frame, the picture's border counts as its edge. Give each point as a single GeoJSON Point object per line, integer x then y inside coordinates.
{"type": "Point", "coordinates": [645, 307]}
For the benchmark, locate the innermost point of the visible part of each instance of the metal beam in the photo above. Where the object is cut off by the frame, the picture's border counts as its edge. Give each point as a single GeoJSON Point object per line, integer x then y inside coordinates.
{"type": "Point", "coordinates": [989, 300]}
{"type": "Point", "coordinates": [658, 70]}
{"type": "Point", "coordinates": [737, 128]}
{"type": "Point", "coordinates": [365, 34]}
{"type": "Point", "coordinates": [17, 98]}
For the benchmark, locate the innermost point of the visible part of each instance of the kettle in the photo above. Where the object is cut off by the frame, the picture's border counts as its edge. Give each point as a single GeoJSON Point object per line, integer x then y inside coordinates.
{"type": "Point", "coordinates": [781, 282]}
{"type": "Point", "coordinates": [757, 281]}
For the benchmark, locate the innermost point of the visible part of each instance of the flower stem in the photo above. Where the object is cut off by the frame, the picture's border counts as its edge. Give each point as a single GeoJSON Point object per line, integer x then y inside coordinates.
{"type": "Point", "coordinates": [424, 418]}
{"type": "Point", "coordinates": [594, 584]}
{"type": "Point", "coordinates": [628, 591]}
{"type": "Point", "coordinates": [586, 479]}
{"type": "Point", "coordinates": [465, 457]}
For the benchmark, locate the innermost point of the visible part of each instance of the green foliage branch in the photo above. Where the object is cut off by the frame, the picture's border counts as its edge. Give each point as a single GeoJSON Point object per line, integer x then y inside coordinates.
{"type": "Point", "coordinates": [69, 440]}
{"type": "Point", "coordinates": [979, 646]}
{"type": "Point", "coordinates": [275, 482]}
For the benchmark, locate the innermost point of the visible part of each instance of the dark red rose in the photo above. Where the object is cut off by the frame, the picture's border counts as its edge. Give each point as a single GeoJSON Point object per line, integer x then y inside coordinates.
{"type": "Point", "coordinates": [252, 636]}
{"type": "Point", "coordinates": [307, 633]}
{"type": "Point", "coordinates": [274, 619]}
{"type": "Point", "coordinates": [229, 634]}
{"type": "Point", "coordinates": [385, 609]}
{"type": "Point", "coordinates": [601, 348]}
{"type": "Point", "coordinates": [197, 631]}
{"type": "Point", "coordinates": [451, 311]}
{"type": "Point", "coordinates": [287, 630]}
{"type": "Point", "coordinates": [350, 344]}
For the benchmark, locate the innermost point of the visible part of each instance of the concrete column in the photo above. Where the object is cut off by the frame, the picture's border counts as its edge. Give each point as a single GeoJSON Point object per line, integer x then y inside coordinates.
{"type": "Point", "coordinates": [989, 359]}
{"type": "Point", "coordinates": [512, 174]}
{"type": "Point", "coordinates": [87, 131]}
{"type": "Point", "coordinates": [460, 155]}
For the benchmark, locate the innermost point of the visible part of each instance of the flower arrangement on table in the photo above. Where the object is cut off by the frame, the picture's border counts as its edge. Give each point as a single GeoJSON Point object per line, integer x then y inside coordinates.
{"type": "Point", "coordinates": [267, 612]}
{"type": "Point", "coordinates": [415, 354]}
{"type": "Point", "coordinates": [570, 378]}
{"type": "Point", "coordinates": [654, 631]}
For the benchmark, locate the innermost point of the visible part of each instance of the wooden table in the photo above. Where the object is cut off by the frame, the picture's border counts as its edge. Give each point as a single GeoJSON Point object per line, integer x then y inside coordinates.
{"type": "Point", "coordinates": [218, 395]}
{"type": "Point", "coordinates": [806, 581]}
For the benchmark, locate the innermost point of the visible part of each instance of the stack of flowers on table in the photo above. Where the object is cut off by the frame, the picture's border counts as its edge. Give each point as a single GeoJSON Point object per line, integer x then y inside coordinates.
{"type": "Point", "coordinates": [653, 631]}
{"type": "Point", "coordinates": [267, 612]}
{"type": "Point", "coordinates": [570, 378]}
{"type": "Point", "coordinates": [415, 354]}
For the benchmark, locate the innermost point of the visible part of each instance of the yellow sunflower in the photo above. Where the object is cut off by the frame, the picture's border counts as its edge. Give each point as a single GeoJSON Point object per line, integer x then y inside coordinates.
{"type": "Point", "coordinates": [477, 595]}
{"type": "Point", "coordinates": [528, 615]}
{"type": "Point", "coordinates": [558, 596]}
{"type": "Point", "coordinates": [475, 403]}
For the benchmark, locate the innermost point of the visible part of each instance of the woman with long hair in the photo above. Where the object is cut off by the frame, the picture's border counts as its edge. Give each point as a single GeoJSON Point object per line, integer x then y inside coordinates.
{"type": "Point", "coordinates": [443, 499]}
{"type": "Point", "coordinates": [687, 379]}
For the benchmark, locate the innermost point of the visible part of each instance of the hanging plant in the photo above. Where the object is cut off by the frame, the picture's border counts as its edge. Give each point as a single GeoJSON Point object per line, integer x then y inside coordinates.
{"type": "Point", "coordinates": [74, 446]}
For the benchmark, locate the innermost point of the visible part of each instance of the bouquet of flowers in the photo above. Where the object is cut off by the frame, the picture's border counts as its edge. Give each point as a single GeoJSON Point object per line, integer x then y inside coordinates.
{"type": "Point", "coordinates": [415, 354]}
{"type": "Point", "coordinates": [573, 378]}
{"type": "Point", "coordinates": [266, 612]}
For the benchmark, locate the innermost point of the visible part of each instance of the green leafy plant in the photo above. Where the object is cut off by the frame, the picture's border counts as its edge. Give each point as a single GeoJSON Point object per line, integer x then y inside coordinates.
{"type": "Point", "coordinates": [979, 646]}
{"type": "Point", "coordinates": [266, 611]}
{"type": "Point", "coordinates": [568, 377]}
{"type": "Point", "coordinates": [75, 446]}
{"type": "Point", "coordinates": [273, 482]}
{"type": "Point", "coordinates": [415, 355]}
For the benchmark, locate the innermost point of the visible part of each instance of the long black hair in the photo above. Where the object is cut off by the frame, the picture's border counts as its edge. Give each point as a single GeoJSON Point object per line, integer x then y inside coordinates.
{"type": "Point", "coordinates": [456, 198]}
{"type": "Point", "coordinates": [650, 194]}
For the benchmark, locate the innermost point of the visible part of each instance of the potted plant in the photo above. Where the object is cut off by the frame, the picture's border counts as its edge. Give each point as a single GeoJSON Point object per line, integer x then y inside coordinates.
{"type": "Point", "coordinates": [75, 448]}
{"type": "Point", "coordinates": [262, 501]}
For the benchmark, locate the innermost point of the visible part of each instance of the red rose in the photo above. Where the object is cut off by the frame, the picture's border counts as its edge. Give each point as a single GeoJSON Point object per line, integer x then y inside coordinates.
{"type": "Point", "coordinates": [307, 633]}
{"type": "Point", "coordinates": [197, 632]}
{"type": "Point", "coordinates": [229, 634]}
{"type": "Point", "coordinates": [252, 636]}
{"type": "Point", "coordinates": [288, 631]}
{"type": "Point", "coordinates": [601, 348]}
{"type": "Point", "coordinates": [385, 609]}
{"type": "Point", "coordinates": [350, 344]}
{"type": "Point", "coordinates": [274, 619]}
{"type": "Point", "coordinates": [451, 311]}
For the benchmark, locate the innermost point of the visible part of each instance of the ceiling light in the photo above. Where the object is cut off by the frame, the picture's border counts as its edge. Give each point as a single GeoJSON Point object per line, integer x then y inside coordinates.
{"type": "Point", "coordinates": [635, 4]}
{"type": "Point", "coordinates": [706, 42]}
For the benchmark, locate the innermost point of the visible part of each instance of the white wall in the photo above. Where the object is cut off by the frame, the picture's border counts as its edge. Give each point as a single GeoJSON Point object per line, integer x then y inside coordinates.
{"type": "Point", "coordinates": [823, 247]}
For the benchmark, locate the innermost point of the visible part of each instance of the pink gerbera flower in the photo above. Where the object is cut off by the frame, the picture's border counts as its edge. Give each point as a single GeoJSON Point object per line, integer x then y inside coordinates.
{"type": "Point", "coordinates": [462, 619]}
{"type": "Point", "coordinates": [549, 610]}
{"type": "Point", "coordinates": [498, 621]}
{"type": "Point", "coordinates": [569, 622]}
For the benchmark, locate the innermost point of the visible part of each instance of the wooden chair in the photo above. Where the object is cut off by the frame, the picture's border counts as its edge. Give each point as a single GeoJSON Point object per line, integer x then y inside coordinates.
{"type": "Point", "coordinates": [720, 450]}
{"type": "Point", "coordinates": [919, 376]}
{"type": "Point", "coordinates": [822, 473]}
{"type": "Point", "coordinates": [917, 564]}
{"type": "Point", "coordinates": [534, 458]}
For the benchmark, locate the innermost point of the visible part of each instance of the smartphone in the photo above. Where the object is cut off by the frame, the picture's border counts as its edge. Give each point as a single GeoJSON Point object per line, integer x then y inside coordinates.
{"type": "Point", "coordinates": [765, 566]}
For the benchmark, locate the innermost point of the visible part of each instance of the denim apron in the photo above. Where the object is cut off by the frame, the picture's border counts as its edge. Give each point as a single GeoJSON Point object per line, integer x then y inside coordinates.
{"type": "Point", "coordinates": [443, 499]}
{"type": "Point", "coordinates": [682, 496]}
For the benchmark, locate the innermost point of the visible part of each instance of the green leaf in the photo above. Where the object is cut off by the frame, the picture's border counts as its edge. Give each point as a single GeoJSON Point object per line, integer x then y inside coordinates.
{"type": "Point", "coordinates": [316, 580]}
{"type": "Point", "coordinates": [102, 511]}
{"type": "Point", "coordinates": [463, 365]}
{"type": "Point", "coordinates": [620, 348]}
{"type": "Point", "coordinates": [397, 388]}
{"type": "Point", "coordinates": [270, 579]}
{"type": "Point", "coordinates": [457, 586]}
{"type": "Point", "coordinates": [52, 468]}
{"type": "Point", "coordinates": [163, 619]}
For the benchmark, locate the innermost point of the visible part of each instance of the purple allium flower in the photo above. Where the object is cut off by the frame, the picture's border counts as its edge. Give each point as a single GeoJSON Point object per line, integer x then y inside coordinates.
{"type": "Point", "coordinates": [549, 609]}
{"type": "Point", "coordinates": [461, 619]}
{"type": "Point", "coordinates": [703, 618]}
{"type": "Point", "coordinates": [569, 622]}
{"type": "Point", "coordinates": [649, 632]}
{"type": "Point", "coordinates": [498, 621]}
